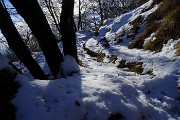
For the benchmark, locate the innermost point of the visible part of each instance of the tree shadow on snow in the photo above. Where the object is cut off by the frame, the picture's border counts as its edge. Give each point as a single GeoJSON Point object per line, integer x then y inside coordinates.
{"type": "Point", "coordinates": [63, 97]}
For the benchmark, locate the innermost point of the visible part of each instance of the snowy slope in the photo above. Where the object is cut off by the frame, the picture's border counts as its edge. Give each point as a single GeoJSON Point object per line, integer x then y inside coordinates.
{"type": "Point", "coordinates": [100, 89]}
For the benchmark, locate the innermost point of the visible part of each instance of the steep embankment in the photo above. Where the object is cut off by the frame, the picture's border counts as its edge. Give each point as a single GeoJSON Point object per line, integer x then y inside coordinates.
{"type": "Point", "coordinates": [162, 25]}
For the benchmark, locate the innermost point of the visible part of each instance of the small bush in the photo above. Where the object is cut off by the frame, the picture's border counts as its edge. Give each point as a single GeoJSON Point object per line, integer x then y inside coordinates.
{"type": "Point", "coordinates": [113, 59]}
{"type": "Point", "coordinates": [133, 67]}
{"type": "Point", "coordinates": [122, 64]}
{"type": "Point", "coordinates": [101, 57]}
{"type": "Point", "coordinates": [80, 62]}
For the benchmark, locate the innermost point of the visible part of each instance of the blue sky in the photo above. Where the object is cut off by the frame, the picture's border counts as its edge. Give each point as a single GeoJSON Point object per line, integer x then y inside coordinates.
{"type": "Point", "coordinates": [15, 19]}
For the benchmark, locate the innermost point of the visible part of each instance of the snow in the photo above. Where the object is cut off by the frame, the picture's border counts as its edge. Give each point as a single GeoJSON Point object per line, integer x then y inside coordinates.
{"type": "Point", "coordinates": [92, 44]}
{"type": "Point", "coordinates": [69, 66]}
{"type": "Point", "coordinates": [100, 89]}
{"type": "Point", "coordinates": [3, 62]}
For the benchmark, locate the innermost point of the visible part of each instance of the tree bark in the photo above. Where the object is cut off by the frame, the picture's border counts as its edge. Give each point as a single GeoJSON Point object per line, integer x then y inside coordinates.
{"type": "Point", "coordinates": [79, 21]}
{"type": "Point", "coordinates": [67, 28]}
{"type": "Point", "coordinates": [17, 45]}
{"type": "Point", "coordinates": [101, 10]}
{"type": "Point", "coordinates": [36, 20]}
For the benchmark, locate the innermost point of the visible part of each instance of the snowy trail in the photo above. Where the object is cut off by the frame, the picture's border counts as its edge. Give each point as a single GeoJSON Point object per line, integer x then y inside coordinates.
{"type": "Point", "coordinates": [101, 89]}
{"type": "Point", "coordinates": [134, 95]}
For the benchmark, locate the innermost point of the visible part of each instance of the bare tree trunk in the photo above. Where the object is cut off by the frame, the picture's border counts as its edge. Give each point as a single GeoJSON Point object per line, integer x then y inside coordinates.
{"type": "Point", "coordinates": [36, 20]}
{"type": "Point", "coordinates": [17, 45]}
{"type": "Point", "coordinates": [101, 10]}
{"type": "Point", "coordinates": [68, 29]}
{"type": "Point", "coordinates": [79, 21]}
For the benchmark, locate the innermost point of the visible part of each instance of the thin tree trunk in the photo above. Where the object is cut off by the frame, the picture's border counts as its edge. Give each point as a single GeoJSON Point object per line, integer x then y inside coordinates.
{"type": "Point", "coordinates": [101, 10]}
{"type": "Point", "coordinates": [36, 20]}
{"type": "Point", "coordinates": [79, 21]}
{"type": "Point", "coordinates": [68, 29]}
{"type": "Point", "coordinates": [17, 45]}
{"type": "Point", "coordinates": [50, 7]}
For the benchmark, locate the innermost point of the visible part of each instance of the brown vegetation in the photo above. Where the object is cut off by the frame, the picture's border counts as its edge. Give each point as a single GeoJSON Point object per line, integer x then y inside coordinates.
{"type": "Point", "coordinates": [139, 41]}
{"type": "Point", "coordinates": [113, 59]}
{"type": "Point", "coordinates": [177, 47]}
{"type": "Point", "coordinates": [100, 56]}
{"type": "Point", "coordinates": [136, 22]}
{"type": "Point", "coordinates": [169, 29]}
{"type": "Point", "coordinates": [164, 22]}
{"type": "Point", "coordinates": [134, 67]}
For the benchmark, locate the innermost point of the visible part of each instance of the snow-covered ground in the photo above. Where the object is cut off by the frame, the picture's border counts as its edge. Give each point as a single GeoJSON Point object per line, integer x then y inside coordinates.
{"type": "Point", "coordinates": [100, 89]}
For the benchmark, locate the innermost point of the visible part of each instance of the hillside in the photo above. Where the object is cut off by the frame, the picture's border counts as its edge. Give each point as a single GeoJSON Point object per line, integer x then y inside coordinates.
{"type": "Point", "coordinates": [130, 71]}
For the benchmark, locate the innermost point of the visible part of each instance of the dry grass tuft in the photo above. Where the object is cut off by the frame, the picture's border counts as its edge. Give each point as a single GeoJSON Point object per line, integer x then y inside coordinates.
{"type": "Point", "coordinates": [177, 47]}
{"type": "Point", "coordinates": [133, 67]}
{"type": "Point", "coordinates": [139, 41]}
{"type": "Point", "coordinates": [80, 62]}
{"type": "Point", "coordinates": [136, 22]}
{"type": "Point", "coordinates": [100, 56]}
{"type": "Point", "coordinates": [113, 59]}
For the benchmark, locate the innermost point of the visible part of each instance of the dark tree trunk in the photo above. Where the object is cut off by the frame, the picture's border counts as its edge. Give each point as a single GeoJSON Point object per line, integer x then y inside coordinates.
{"type": "Point", "coordinates": [36, 20]}
{"type": "Point", "coordinates": [17, 45]}
{"type": "Point", "coordinates": [101, 10]}
{"type": "Point", "coordinates": [67, 28]}
{"type": "Point", "coordinates": [79, 21]}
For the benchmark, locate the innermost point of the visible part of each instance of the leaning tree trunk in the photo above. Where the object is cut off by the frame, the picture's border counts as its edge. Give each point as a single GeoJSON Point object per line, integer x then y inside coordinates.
{"type": "Point", "coordinates": [67, 28]}
{"type": "Point", "coordinates": [36, 20]}
{"type": "Point", "coordinates": [17, 45]}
